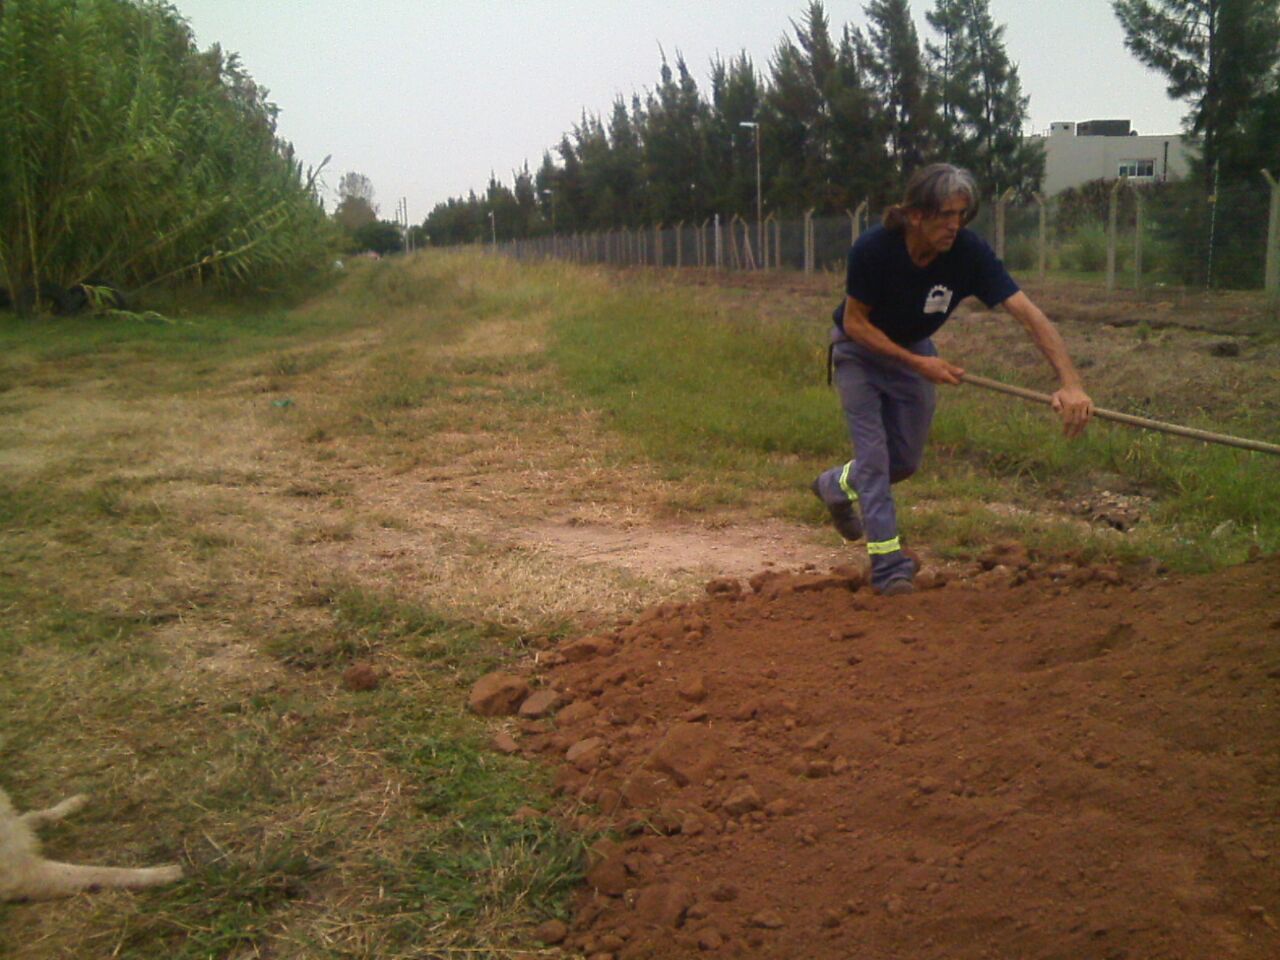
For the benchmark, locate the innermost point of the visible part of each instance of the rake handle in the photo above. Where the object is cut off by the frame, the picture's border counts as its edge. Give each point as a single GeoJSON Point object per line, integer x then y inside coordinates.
{"type": "Point", "coordinates": [1129, 419]}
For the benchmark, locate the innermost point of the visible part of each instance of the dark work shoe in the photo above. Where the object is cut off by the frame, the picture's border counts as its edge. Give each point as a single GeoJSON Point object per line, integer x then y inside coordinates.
{"type": "Point", "coordinates": [898, 587]}
{"type": "Point", "coordinates": [844, 516]}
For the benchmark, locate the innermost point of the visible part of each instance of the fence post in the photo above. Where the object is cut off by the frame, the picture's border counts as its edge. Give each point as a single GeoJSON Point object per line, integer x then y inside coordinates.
{"type": "Point", "coordinates": [657, 245]}
{"type": "Point", "coordinates": [1111, 236]}
{"type": "Point", "coordinates": [770, 242]}
{"type": "Point", "coordinates": [679, 244]}
{"type": "Point", "coordinates": [718, 240]}
{"type": "Point", "coordinates": [1137, 239]}
{"type": "Point", "coordinates": [1001, 203]}
{"type": "Point", "coordinates": [1272, 283]}
{"type": "Point", "coordinates": [1044, 238]}
{"type": "Point", "coordinates": [808, 240]}
{"type": "Point", "coordinates": [735, 260]}
{"type": "Point", "coordinates": [777, 244]}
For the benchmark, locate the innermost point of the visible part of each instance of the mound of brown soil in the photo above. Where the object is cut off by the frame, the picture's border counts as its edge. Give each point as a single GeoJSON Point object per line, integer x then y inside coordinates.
{"type": "Point", "coordinates": [1036, 761]}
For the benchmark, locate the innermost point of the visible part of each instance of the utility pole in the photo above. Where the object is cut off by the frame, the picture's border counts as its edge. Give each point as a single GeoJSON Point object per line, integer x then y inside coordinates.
{"type": "Point", "coordinates": [493, 231]}
{"type": "Point", "coordinates": [759, 204]}
{"type": "Point", "coordinates": [551, 195]}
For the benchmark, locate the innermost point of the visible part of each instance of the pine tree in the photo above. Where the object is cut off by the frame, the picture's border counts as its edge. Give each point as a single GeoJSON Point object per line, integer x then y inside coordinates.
{"type": "Point", "coordinates": [572, 205]}
{"type": "Point", "coordinates": [735, 98]}
{"type": "Point", "coordinates": [591, 148]}
{"type": "Point", "coordinates": [951, 89]}
{"type": "Point", "coordinates": [898, 74]}
{"type": "Point", "coordinates": [674, 144]}
{"type": "Point", "coordinates": [625, 175]}
{"type": "Point", "coordinates": [501, 202]}
{"type": "Point", "coordinates": [797, 114]}
{"type": "Point", "coordinates": [1221, 56]}
{"type": "Point", "coordinates": [546, 185]}
{"type": "Point", "coordinates": [861, 166]}
{"type": "Point", "coordinates": [983, 107]}
{"type": "Point", "coordinates": [526, 201]}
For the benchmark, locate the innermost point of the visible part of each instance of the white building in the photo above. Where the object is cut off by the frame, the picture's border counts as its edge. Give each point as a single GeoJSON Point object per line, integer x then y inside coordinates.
{"type": "Point", "coordinates": [1107, 149]}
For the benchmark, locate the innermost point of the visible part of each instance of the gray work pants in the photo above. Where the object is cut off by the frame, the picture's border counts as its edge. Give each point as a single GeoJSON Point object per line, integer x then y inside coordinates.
{"type": "Point", "coordinates": [888, 409]}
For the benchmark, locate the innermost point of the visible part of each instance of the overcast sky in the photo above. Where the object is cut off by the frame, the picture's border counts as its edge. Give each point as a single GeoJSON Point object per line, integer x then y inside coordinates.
{"type": "Point", "coordinates": [426, 97]}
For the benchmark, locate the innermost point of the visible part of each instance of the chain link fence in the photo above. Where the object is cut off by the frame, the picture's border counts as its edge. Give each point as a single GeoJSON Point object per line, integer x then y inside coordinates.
{"type": "Point", "coordinates": [1120, 232]}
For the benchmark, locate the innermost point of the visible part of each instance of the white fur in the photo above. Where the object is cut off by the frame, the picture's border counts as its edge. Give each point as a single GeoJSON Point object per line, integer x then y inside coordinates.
{"type": "Point", "coordinates": [25, 875]}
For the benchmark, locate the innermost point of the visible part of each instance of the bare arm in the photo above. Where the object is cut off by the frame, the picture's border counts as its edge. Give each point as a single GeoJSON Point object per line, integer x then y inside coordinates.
{"type": "Point", "coordinates": [1069, 400]}
{"type": "Point", "coordinates": [860, 329]}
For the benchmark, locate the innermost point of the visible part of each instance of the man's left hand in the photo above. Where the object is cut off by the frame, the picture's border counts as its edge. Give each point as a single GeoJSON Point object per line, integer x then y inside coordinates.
{"type": "Point", "coordinates": [1075, 408]}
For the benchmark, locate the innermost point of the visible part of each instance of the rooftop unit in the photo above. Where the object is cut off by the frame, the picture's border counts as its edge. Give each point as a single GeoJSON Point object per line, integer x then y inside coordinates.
{"type": "Point", "coordinates": [1104, 128]}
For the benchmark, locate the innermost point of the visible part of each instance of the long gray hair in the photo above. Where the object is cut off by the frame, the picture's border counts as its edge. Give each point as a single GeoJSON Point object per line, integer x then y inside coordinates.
{"type": "Point", "coordinates": [929, 189]}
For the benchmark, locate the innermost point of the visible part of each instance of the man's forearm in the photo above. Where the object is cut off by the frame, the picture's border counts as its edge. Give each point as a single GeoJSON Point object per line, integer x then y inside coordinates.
{"type": "Point", "coordinates": [1054, 348]}
{"type": "Point", "coordinates": [862, 331]}
{"type": "Point", "coordinates": [1048, 341]}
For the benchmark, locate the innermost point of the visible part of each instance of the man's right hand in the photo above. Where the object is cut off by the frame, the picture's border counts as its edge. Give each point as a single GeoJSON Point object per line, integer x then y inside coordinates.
{"type": "Point", "coordinates": [937, 370]}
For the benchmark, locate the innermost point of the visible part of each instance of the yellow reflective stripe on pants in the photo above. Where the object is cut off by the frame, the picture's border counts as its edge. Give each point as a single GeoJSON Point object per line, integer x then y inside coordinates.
{"type": "Point", "coordinates": [884, 546]}
{"type": "Point", "coordinates": [849, 492]}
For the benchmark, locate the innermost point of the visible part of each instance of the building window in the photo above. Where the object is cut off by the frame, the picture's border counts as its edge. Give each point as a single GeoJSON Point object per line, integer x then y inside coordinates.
{"type": "Point", "coordinates": [1137, 168]}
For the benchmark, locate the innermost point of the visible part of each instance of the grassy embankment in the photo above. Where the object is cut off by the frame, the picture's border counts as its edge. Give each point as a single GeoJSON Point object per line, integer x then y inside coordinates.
{"type": "Point", "coordinates": [202, 523]}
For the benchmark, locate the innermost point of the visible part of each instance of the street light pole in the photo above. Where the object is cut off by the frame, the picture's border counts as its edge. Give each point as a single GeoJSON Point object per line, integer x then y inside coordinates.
{"type": "Point", "coordinates": [551, 195]}
{"type": "Point", "coordinates": [759, 204]}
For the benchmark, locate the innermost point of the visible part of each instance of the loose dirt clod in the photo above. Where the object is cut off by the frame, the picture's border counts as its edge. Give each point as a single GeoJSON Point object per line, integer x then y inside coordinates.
{"type": "Point", "coordinates": [498, 694]}
{"type": "Point", "coordinates": [539, 704]}
{"type": "Point", "coordinates": [551, 932]}
{"type": "Point", "coordinates": [360, 677]}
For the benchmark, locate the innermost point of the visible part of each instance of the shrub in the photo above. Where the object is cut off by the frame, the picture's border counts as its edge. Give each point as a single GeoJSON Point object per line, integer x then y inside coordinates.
{"type": "Point", "coordinates": [1086, 250]}
{"type": "Point", "coordinates": [1022, 253]}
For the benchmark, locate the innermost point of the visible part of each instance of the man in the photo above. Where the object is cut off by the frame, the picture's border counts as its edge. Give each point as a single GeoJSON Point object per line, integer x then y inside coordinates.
{"type": "Point", "coordinates": [904, 279]}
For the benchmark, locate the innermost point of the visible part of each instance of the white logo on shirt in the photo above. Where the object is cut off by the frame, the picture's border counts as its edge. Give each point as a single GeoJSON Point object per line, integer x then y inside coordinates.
{"type": "Point", "coordinates": [938, 301]}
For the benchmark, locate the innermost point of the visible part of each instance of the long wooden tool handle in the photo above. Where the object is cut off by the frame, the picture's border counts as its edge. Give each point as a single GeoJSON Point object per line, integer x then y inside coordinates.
{"type": "Point", "coordinates": [1129, 419]}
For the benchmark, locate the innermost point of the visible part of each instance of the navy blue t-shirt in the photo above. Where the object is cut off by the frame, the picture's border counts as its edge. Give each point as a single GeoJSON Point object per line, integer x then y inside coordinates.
{"type": "Point", "coordinates": [909, 303]}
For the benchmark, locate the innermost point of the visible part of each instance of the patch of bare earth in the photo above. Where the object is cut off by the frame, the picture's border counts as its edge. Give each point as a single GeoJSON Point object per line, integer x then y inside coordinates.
{"type": "Point", "coordinates": [1039, 759]}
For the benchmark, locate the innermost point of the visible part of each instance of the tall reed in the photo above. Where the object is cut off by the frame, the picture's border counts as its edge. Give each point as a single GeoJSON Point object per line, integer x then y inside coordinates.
{"type": "Point", "coordinates": [130, 157]}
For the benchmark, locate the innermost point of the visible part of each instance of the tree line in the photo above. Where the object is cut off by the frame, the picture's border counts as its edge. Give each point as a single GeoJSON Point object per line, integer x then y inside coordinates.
{"type": "Point", "coordinates": [128, 158]}
{"type": "Point", "coordinates": [846, 117]}
{"type": "Point", "coordinates": [841, 117]}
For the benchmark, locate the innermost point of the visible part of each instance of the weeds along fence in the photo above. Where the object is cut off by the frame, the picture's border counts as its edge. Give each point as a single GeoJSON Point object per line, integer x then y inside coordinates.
{"type": "Point", "coordinates": [1123, 233]}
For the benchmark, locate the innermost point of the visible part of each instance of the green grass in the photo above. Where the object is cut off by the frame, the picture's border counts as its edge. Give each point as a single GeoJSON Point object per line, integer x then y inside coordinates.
{"type": "Point", "coordinates": [736, 401]}
{"type": "Point", "coordinates": [734, 398]}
